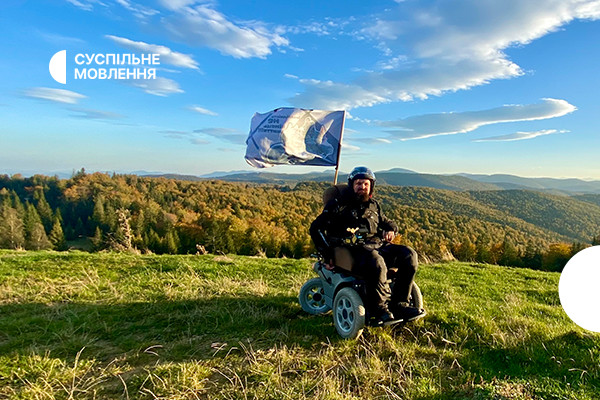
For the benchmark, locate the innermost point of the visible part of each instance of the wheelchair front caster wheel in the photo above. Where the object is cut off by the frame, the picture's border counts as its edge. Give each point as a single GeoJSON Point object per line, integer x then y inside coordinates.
{"type": "Point", "coordinates": [312, 297]}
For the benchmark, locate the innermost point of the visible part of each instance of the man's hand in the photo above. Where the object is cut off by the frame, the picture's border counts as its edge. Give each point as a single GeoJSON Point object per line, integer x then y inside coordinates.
{"type": "Point", "coordinates": [330, 265]}
{"type": "Point", "coordinates": [389, 236]}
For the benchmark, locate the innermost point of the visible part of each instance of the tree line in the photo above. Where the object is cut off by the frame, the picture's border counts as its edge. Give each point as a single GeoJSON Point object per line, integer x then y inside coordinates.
{"type": "Point", "coordinates": [131, 213]}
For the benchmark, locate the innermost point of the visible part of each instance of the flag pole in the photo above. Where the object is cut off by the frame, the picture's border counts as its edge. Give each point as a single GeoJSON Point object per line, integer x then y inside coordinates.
{"type": "Point", "coordinates": [337, 163]}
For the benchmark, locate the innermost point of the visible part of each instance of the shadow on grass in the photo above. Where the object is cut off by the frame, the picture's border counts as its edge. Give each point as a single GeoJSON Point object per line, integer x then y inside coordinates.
{"type": "Point", "coordinates": [177, 330]}
{"type": "Point", "coordinates": [207, 328]}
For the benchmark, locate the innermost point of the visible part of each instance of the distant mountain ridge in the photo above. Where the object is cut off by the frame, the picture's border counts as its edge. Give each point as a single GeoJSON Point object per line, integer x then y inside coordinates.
{"type": "Point", "coordinates": [517, 182]}
{"type": "Point", "coordinates": [404, 177]}
{"type": "Point", "coordinates": [395, 177]}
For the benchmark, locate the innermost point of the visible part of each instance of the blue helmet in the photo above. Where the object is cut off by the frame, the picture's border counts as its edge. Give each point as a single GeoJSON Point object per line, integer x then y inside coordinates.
{"type": "Point", "coordinates": [362, 173]}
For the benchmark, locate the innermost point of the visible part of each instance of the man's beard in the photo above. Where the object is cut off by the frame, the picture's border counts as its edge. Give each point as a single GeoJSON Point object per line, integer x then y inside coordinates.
{"type": "Point", "coordinates": [362, 197]}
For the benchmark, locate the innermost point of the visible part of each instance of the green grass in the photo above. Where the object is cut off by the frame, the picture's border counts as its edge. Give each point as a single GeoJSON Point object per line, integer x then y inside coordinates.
{"type": "Point", "coordinates": [118, 326]}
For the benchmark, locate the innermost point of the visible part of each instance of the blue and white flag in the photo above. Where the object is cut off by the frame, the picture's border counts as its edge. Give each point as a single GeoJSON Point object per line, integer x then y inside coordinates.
{"type": "Point", "coordinates": [295, 136]}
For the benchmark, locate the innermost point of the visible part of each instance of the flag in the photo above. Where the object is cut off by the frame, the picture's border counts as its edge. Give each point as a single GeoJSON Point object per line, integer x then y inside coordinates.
{"type": "Point", "coordinates": [294, 136]}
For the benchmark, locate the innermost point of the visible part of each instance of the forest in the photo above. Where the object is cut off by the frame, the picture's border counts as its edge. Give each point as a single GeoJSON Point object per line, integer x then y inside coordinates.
{"type": "Point", "coordinates": [98, 211]}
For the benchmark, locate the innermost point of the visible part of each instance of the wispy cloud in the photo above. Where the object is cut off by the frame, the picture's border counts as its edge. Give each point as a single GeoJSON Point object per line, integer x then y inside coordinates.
{"type": "Point", "coordinates": [138, 10]}
{"type": "Point", "coordinates": [202, 110]}
{"type": "Point", "coordinates": [202, 25]}
{"type": "Point", "coordinates": [428, 125]}
{"type": "Point", "coordinates": [166, 54]}
{"type": "Point", "coordinates": [430, 48]}
{"type": "Point", "coordinates": [176, 4]}
{"type": "Point", "coordinates": [87, 5]}
{"type": "Point", "coordinates": [96, 114]}
{"type": "Point", "coordinates": [175, 134]}
{"type": "Point", "coordinates": [372, 140]}
{"type": "Point", "coordinates": [226, 134]}
{"type": "Point", "coordinates": [59, 40]}
{"type": "Point", "coordinates": [199, 23]}
{"type": "Point", "coordinates": [199, 142]}
{"type": "Point", "coordinates": [349, 147]}
{"type": "Point", "coordinates": [382, 140]}
{"type": "Point", "coordinates": [519, 136]}
{"type": "Point", "coordinates": [54, 95]}
{"type": "Point", "coordinates": [329, 95]}
{"type": "Point", "coordinates": [158, 87]}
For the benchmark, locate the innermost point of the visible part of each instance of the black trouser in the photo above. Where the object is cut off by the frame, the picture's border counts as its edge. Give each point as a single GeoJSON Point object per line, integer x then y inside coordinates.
{"type": "Point", "coordinates": [373, 266]}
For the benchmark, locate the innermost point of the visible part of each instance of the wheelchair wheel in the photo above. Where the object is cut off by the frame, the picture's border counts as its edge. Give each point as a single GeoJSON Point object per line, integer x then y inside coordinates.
{"type": "Point", "coordinates": [312, 297]}
{"type": "Point", "coordinates": [348, 313]}
{"type": "Point", "coordinates": [416, 298]}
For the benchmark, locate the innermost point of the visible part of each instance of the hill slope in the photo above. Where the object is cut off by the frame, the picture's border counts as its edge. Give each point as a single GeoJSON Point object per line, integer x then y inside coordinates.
{"type": "Point", "coordinates": [552, 217]}
{"type": "Point", "coordinates": [106, 326]}
{"type": "Point", "coordinates": [176, 216]}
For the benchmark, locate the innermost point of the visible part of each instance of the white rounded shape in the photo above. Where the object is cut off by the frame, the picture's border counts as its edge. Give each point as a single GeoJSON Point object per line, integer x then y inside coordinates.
{"type": "Point", "coordinates": [58, 67]}
{"type": "Point", "coordinates": [579, 288]}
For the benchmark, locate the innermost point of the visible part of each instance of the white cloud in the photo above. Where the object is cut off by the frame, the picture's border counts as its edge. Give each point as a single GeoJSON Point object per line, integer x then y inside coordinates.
{"type": "Point", "coordinates": [96, 114]}
{"type": "Point", "coordinates": [202, 110]}
{"type": "Point", "coordinates": [328, 95]}
{"type": "Point", "coordinates": [199, 142]}
{"type": "Point", "coordinates": [349, 147]}
{"type": "Point", "coordinates": [441, 46]}
{"type": "Point", "coordinates": [60, 40]}
{"type": "Point", "coordinates": [158, 87]}
{"type": "Point", "coordinates": [382, 140]}
{"type": "Point", "coordinates": [166, 55]}
{"type": "Point", "coordinates": [138, 10]}
{"type": "Point", "coordinates": [519, 136]}
{"type": "Point", "coordinates": [84, 5]}
{"type": "Point", "coordinates": [55, 95]}
{"type": "Point", "coordinates": [175, 134]}
{"type": "Point", "coordinates": [201, 25]}
{"type": "Point", "coordinates": [226, 134]}
{"type": "Point", "coordinates": [176, 4]}
{"type": "Point", "coordinates": [428, 125]}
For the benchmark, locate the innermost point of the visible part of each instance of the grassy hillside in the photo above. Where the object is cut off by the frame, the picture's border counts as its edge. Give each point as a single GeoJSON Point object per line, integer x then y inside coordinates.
{"type": "Point", "coordinates": [536, 214]}
{"type": "Point", "coordinates": [109, 326]}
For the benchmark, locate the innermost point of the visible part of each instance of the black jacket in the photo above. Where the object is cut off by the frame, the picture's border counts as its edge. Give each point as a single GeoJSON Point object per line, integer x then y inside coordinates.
{"type": "Point", "coordinates": [344, 214]}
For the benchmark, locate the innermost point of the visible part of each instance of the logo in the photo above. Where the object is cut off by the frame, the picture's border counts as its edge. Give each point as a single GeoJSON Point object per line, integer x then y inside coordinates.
{"type": "Point", "coordinates": [58, 67]}
{"type": "Point", "coordinates": [103, 66]}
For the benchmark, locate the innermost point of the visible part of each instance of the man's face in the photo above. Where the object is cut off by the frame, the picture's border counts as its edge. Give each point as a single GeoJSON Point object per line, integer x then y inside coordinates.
{"type": "Point", "coordinates": [362, 188]}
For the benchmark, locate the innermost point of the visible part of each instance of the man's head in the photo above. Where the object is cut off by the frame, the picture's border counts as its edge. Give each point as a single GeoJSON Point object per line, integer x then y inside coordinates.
{"type": "Point", "coordinates": [362, 182]}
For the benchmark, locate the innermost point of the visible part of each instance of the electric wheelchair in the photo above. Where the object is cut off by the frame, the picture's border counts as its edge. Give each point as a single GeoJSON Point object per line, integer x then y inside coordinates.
{"type": "Point", "coordinates": [344, 293]}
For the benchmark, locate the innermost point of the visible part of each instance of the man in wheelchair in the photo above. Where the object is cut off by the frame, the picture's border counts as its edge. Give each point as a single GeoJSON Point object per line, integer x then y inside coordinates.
{"type": "Point", "coordinates": [352, 234]}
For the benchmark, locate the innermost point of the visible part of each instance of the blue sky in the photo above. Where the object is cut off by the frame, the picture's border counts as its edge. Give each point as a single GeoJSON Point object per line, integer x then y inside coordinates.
{"type": "Point", "coordinates": [446, 86]}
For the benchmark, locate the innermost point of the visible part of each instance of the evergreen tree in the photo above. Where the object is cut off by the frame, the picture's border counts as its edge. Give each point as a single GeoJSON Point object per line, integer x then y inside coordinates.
{"type": "Point", "coordinates": [171, 242]}
{"type": "Point", "coordinates": [98, 216]}
{"type": "Point", "coordinates": [57, 236]}
{"type": "Point", "coordinates": [37, 238]}
{"type": "Point", "coordinates": [44, 210]}
{"type": "Point", "coordinates": [35, 234]}
{"type": "Point", "coordinates": [98, 239]}
{"type": "Point", "coordinates": [17, 204]}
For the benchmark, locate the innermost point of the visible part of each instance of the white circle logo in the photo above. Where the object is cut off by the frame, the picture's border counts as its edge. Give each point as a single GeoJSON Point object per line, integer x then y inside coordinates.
{"type": "Point", "coordinates": [579, 288]}
{"type": "Point", "coordinates": [58, 67]}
